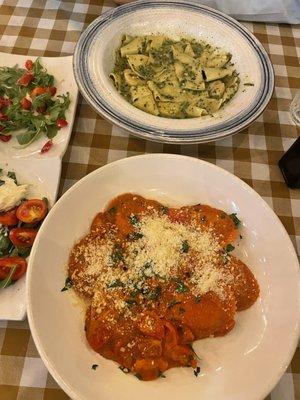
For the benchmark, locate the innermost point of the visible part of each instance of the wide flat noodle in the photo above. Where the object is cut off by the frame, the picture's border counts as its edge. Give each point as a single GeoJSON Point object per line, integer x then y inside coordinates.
{"type": "Point", "coordinates": [142, 98]}
{"type": "Point", "coordinates": [174, 78]}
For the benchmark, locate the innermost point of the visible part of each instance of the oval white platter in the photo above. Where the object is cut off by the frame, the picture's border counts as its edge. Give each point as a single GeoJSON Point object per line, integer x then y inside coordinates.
{"type": "Point", "coordinates": [40, 171]}
{"type": "Point", "coordinates": [245, 364]}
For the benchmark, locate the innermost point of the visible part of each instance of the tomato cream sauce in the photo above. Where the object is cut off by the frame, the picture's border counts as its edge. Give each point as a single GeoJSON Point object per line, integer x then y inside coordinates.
{"type": "Point", "coordinates": [157, 279]}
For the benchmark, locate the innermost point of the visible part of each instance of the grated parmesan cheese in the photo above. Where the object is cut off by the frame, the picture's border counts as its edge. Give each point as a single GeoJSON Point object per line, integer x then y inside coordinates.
{"type": "Point", "coordinates": [164, 250]}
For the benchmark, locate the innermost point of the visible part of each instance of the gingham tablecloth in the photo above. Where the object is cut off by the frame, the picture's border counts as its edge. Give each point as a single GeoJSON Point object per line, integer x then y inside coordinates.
{"type": "Point", "coordinates": [52, 28]}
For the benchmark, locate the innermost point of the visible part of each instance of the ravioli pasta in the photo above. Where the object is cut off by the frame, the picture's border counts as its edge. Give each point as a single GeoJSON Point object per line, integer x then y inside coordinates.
{"type": "Point", "coordinates": [174, 79]}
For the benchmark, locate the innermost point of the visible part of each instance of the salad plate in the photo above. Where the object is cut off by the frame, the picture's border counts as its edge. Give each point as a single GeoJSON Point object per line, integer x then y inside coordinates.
{"type": "Point", "coordinates": [40, 171]}
{"type": "Point", "coordinates": [61, 69]}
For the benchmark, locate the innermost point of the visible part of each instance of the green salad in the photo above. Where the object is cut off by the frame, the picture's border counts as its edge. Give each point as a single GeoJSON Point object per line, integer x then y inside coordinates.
{"type": "Point", "coordinates": [29, 106]}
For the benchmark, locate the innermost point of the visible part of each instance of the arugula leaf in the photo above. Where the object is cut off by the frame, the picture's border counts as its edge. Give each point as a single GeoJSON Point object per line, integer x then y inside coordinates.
{"type": "Point", "coordinates": [26, 137]}
{"type": "Point", "coordinates": [7, 281]}
{"type": "Point", "coordinates": [51, 131]}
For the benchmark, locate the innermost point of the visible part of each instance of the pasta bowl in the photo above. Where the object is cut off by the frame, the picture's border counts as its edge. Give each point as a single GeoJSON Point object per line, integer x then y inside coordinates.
{"type": "Point", "coordinates": [240, 365]}
{"type": "Point", "coordinates": [94, 59]}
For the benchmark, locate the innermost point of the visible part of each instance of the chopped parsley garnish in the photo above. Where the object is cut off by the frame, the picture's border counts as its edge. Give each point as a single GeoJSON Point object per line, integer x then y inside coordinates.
{"type": "Point", "coordinates": [197, 371]}
{"type": "Point", "coordinates": [68, 284]}
{"type": "Point", "coordinates": [235, 219]}
{"type": "Point", "coordinates": [185, 246]}
{"type": "Point", "coordinates": [130, 302]}
{"type": "Point", "coordinates": [12, 176]}
{"type": "Point", "coordinates": [173, 303]}
{"type": "Point", "coordinates": [153, 294]}
{"type": "Point", "coordinates": [229, 248]}
{"type": "Point", "coordinates": [181, 288]}
{"type": "Point", "coordinates": [133, 219]}
{"type": "Point", "coordinates": [117, 255]}
{"type": "Point", "coordinates": [95, 366]}
{"type": "Point", "coordinates": [197, 300]}
{"type": "Point", "coordinates": [124, 369]}
{"type": "Point", "coordinates": [116, 283]}
{"type": "Point", "coordinates": [165, 210]}
{"type": "Point", "coordinates": [113, 210]}
{"type": "Point", "coordinates": [135, 236]}
{"type": "Point", "coordinates": [139, 376]}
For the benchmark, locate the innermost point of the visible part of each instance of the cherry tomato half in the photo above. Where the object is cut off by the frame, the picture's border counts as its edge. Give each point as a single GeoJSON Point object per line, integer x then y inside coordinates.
{"type": "Point", "coordinates": [47, 146]}
{"type": "Point", "coordinates": [25, 79]}
{"type": "Point", "coordinates": [9, 218]}
{"type": "Point", "coordinates": [32, 210]}
{"type": "Point", "coordinates": [4, 102]}
{"type": "Point", "coordinates": [29, 65]}
{"type": "Point", "coordinates": [4, 138]}
{"type": "Point", "coordinates": [3, 117]}
{"type": "Point", "coordinates": [37, 91]}
{"type": "Point", "coordinates": [25, 104]}
{"type": "Point", "coordinates": [52, 90]}
{"type": "Point", "coordinates": [7, 263]}
{"type": "Point", "coordinates": [61, 123]}
{"type": "Point", "coordinates": [43, 89]}
{"type": "Point", "coordinates": [22, 237]}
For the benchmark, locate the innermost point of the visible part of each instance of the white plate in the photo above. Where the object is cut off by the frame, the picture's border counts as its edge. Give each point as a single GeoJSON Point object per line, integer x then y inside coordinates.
{"type": "Point", "coordinates": [245, 364]}
{"type": "Point", "coordinates": [94, 59]}
{"type": "Point", "coordinates": [40, 171]}
{"type": "Point", "coordinates": [61, 68]}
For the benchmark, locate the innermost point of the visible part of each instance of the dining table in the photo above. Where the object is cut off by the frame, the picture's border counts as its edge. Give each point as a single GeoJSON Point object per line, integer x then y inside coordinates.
{"type": "Point", "coordinates": [52, 28]}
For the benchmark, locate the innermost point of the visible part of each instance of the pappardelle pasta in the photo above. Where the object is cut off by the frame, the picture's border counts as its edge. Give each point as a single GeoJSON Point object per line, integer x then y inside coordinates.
{"type": "Point", "coordinates": [174, 79]}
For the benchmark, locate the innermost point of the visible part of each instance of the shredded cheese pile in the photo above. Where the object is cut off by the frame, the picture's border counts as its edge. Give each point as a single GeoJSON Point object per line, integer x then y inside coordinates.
{"type": "Point", "coordinates": [161, 249]}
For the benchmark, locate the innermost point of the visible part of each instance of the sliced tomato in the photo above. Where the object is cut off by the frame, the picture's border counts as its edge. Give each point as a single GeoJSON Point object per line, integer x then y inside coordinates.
{"type": "Point", "coordinates": [43, 89]}
{"type": "Point", "coordinates": [52, 90]}
{"type": "Point", "coordinates": [22, 237]}
{"type": "Point", "coordinates": [61, 123]}
{"type": "Point", "coordinates": [3, 117]}
{"type": "Point", "coordinates": [25, 79]}
{"type": "Point", "coordinates": [47, 146]}
{"type": "Point", "coordinates": [29, 65]}
{"type": "Point", "coordinates": [4, 102]}
{"type": "Point", "coordinates": [9, 218]}
{"type": "Point", "coordinates": [37, 91]}
{"type": "Point", "coordinates": [25, 104]}
{"type": "Point", "coordinates": [7, 263]}
{"type": "Point", "coordinates": [33, 210]}
{"type": "Point", "coordinates": [4, 138]}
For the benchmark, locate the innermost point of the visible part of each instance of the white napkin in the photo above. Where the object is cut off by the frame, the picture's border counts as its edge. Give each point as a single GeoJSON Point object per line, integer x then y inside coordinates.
{"type": "Point", "coordinates": [284, 11]}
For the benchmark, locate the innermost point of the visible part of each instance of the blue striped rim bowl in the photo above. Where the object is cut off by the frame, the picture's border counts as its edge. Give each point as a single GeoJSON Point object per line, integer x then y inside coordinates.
{"type": "Point", "coordinates": [94, 59]}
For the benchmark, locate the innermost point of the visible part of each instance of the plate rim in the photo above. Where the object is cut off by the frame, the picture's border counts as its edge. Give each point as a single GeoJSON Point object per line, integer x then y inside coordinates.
{"type": "Point", "coordinates": [147, 131]}
{"type": "Point", "coordinates": [70, 390]}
